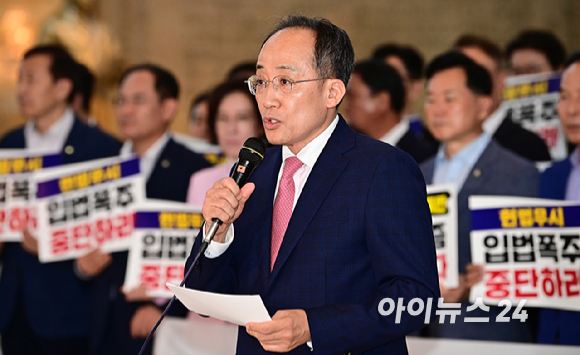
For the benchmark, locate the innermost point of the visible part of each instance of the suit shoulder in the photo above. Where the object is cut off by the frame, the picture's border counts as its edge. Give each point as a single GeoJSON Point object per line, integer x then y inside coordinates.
{"type": "Point", "coordinates": [178, 151]}
{"type": "Point", "coordinates": [427, 167]}
{"type": "Point", "coordinates": [557, 170]}
{"type": "Point", "coordinates": [506, 158]}
{"type": "Point", "coordinates": [93, 138]}
{"type": "Point", "coordinates": [13, 138]}
{"type": "Point", "coordinates": [372, 147]}
{"type": "Point", "coordinates": [106, 138]}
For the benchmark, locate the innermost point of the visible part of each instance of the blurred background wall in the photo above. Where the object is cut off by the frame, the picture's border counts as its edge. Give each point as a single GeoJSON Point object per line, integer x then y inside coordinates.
{"type": "Point", "coordinates": [199, 40]}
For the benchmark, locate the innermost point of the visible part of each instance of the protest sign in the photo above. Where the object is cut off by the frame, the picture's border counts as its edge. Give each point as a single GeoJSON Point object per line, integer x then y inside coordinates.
{"type": "Point", "coordinates": [163, 238]}
{"type": "Point", "coordinates": [442, 201]}
{"type": "Point", "coordinates": [87, 205]}
{"type": "Point", "coordinates": [18, 190]}
{"type": "Point", "coordinates": [531, 101]}
{"type": "Point", "coordinates": [530, 249]}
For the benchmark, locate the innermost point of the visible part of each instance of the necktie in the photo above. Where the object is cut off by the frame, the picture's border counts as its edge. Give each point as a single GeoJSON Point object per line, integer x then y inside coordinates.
{"type": "Point", "coordinates": [283, 206]}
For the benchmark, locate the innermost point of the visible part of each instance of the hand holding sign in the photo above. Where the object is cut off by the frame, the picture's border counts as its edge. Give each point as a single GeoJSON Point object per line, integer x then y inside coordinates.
{"type": "Point", "coordinates": [136, 294]}
{"type": "Point", "coordinates": [93, 263]}
{"type": "Point", "coordinates": [29, 242]}
{"type": "Point", "coordinates": [144, 320]}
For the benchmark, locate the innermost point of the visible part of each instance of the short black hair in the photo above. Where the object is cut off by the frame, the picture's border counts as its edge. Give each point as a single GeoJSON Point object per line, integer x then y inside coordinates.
{"type": "Point", "coordinates": [166, 84]}
{"type": "Point", "coordinates": [379, 76]}
{"type": "Point", "coordinates": [485, 45]}
{"type": "Point", "coordinates": [62, 64]}
{"type": "Point", "coordinates": [219, 93]}
{"type": "Point", "coordinates": [574, 58]}
{"type": "Point", "coordinates": [478, 78]}
{"type": "Point", "coordinates": [238, 70]}
{"type": "Point", "coordinates": [542, 41]}
{"type": "Point", "coordinates": [333, 51]}
{"type": "Point", "coordinates": [411, 58]}
{"type": "Point", "coordinates": [84, 84]}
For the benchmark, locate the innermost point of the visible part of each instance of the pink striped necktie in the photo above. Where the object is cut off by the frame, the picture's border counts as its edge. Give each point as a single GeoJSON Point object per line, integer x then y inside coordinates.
{"type": "Point", "coordinates": [283, 206]}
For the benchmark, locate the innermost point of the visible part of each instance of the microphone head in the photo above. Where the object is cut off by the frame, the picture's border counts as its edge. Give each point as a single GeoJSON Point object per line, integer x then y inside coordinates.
{"type": "Point", "coordinates": [253, 151]}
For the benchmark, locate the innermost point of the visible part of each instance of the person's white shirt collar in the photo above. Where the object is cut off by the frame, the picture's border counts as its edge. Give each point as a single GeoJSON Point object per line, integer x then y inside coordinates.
{"type": "Point", "coordinates": [54, 138]}
{"type": "Point", "coordinates": [310, 153]}
{"type": "Point", "coordinates": [492, 123]}
{"type": "Point", "coordinates": [394, 135]}
{"type": "Point", "coordinates": [147, 161]}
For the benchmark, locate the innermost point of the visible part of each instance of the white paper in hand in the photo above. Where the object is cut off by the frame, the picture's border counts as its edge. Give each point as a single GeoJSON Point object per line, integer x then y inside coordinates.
{"type": "Point", "coordinates": [236, 309]}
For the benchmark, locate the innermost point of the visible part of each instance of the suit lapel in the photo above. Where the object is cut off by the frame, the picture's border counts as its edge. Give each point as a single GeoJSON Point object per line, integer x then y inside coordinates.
{"type": "Point", "coordinates": [262, 203]}
{"type": "Point", "coordinates": [327, 170]}
{"type": "Point", "coordinates": [484, 166]}
{"type": "Point", "coordinates": [160, 170]}
{"type": "Point", "coordinates": [74, 143]}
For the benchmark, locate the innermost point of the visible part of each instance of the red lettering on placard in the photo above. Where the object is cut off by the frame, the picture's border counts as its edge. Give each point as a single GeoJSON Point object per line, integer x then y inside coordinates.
{"type": "Point", "coordinates": [59, 242]}
{"type": "Point", "coordinates": [497, 284]}
{"type": "Point", "coordinates": [150, 275]}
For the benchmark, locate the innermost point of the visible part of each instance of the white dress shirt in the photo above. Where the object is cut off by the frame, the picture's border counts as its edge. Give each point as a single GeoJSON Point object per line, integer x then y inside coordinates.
{"type": "Point", "coordinates": [53, 140]}
{"type": "Point", "coordinates": [308, 156]}
{"type": "Point", "coordinates": [394, 135]}
{"type": "Point", "coordinates": [147, 160]}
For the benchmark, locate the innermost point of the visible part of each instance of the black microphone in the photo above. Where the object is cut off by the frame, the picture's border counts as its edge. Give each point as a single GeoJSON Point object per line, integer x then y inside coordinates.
{"type": "Point", "coordinates": [249, 158]}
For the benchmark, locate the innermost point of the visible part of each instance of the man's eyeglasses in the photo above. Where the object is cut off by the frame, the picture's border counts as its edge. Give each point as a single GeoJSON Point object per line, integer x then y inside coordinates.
{"type": "Point", "coordinates": [257, 84]}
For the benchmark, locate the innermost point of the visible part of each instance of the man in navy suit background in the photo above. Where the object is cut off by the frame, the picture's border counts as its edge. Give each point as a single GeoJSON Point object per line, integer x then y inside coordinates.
{"type": "Point", "coordinates": [44, 307]}
{"type": "Point", "coordinates": [146, 104]}
{"type": "Point", "coordinates": [562, 182]}
{"type": "Point", "coordinates": [359, 230]}
{"type": "Point", "coordinates": [458, 101]}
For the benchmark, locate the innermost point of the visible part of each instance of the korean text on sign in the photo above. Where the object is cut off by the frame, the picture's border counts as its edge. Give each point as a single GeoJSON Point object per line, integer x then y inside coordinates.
{"type": "Point", "coordinates": [162, 242]}
{"type": "Point", "coordinates": [18, 189]}
{"type": "Point", "coordinates": [530, 249]}
{"type": "Point", "coordinates": [88, 206]}
{"type": "Point", "coordinates": [442, 201]}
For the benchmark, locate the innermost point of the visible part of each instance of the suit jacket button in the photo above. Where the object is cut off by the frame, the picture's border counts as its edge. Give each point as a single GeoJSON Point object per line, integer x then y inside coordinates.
{"type": "Point", "coordinates": [69, 149]}
{"type": "Point", "coordinates": [477, 173]}
{"type": "Point", "coordinates": [165, 163]}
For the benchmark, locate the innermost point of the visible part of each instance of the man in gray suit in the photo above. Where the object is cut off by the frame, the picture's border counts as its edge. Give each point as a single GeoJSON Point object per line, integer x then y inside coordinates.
{"type": "Point", "coordinates": [458, 101]}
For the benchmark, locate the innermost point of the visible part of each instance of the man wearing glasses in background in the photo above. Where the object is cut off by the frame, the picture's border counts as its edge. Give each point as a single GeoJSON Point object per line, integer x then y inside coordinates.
{"type": "Point", "coordinates": [333, 221]}
{"type": "Point", "coordinates": [146, 105]}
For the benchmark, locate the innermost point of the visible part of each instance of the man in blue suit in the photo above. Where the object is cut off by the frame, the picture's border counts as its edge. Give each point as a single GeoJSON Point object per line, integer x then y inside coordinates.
{"type": "Point", "coordinates": [458, 101]}
{"type": "Point", "coordinates": [562, 182]}
{"type": "Point", "coordinates": [147, 103]}
{"type": "Point", "coordinates": [332, 221]}
{"type": "Point", "coordinates": [45, 307]}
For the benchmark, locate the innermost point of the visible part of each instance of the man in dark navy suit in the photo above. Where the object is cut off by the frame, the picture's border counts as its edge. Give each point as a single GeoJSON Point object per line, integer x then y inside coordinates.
{"type": "Point", "coordinates": [333, 221]}
{"type": "Point", "coordinates": [44, 307]}
{"type": "Point", "coordinates": [375, 99]}
{"type": "Point", "coordinates": [146, 105]}
{"type": "Point", "coordinates": [562, 182]}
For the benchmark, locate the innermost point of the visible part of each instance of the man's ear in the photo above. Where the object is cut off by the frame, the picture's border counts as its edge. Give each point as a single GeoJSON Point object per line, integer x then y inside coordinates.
{"type": "Point", "coordinates": [336, 91]}
{"type": "Point", "coordinates": [484, 103]}
{"type": "Point", "coordinates": [63, 88]}
{"type": "Point", "coordinates": [383, 101]}
{"type": "Point", "coordinates": [169, 108]}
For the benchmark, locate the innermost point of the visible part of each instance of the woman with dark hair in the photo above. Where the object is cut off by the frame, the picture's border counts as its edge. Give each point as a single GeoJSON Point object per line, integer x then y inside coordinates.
{"type": "Point", "coordinates": [233, 118]}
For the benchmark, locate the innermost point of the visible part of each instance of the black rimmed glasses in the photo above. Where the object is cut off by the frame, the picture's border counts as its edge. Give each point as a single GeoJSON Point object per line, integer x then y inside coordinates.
{"type": "Point", "coordinates": [257, 84]}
